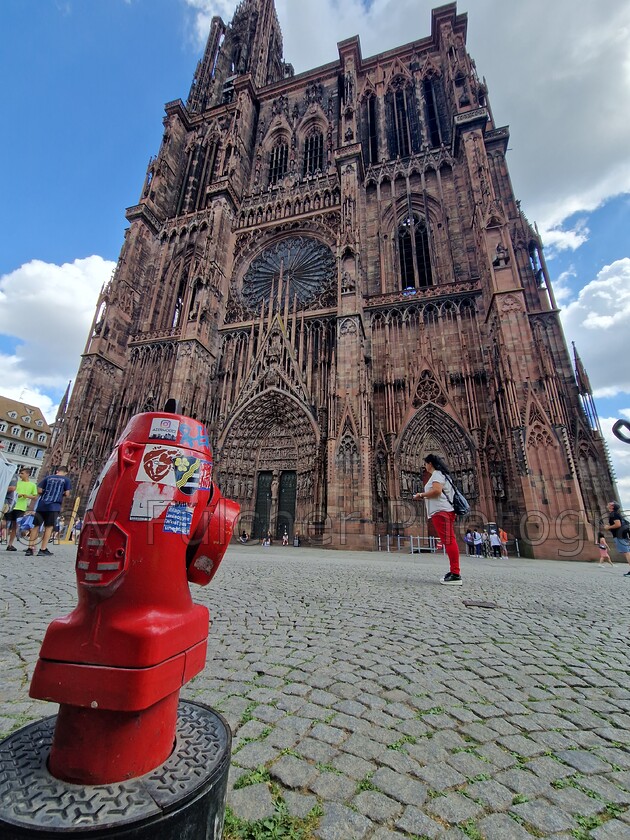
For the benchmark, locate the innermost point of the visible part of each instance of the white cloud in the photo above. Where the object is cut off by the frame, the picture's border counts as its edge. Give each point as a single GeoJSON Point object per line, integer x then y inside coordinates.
{"type": "Point", "coordinates": [598, 323]}
{"type": "Point", "coordinates": [558, 73]}
{"type": "Point", "coordinates": [48, 310]}
{"type": "Point", "coordinates": [562, 239]}
{"type": "Point", "coordinates": [562, 285]}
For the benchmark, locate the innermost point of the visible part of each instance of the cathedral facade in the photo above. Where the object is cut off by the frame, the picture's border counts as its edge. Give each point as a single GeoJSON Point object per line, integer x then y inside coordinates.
{"type": "Point", "coordinates": [331, 271]}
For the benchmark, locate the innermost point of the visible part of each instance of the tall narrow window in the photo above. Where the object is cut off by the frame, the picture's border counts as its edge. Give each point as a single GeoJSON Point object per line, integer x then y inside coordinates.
{"type": "Point", "coordinates": [369, 131]}
{"type": "Point", "coordinates": [314, 153]}
{"type": "Point", "coordinates": [413, 253]}
{"type": "Point", "coordinates": [399, 107]}
{"type": "Point", "coordinates": [278, 163]}
{"type": "Point", "coordinates": [433, 122]}
{"type": "Point", "coordinates": [402, 124]}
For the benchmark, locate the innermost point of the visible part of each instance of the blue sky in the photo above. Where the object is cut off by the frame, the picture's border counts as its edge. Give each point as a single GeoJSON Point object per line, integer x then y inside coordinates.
{"type": "Point", "coordinates": [84, 83]}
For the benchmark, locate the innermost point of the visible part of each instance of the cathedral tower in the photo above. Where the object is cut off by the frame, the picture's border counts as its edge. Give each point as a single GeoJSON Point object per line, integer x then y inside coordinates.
{"type": "Point", "coordinates": [332, 272]}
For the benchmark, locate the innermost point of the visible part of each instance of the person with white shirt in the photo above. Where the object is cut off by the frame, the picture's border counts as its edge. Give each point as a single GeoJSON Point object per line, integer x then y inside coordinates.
{"type": "Point", "coordinates": [440, 512]}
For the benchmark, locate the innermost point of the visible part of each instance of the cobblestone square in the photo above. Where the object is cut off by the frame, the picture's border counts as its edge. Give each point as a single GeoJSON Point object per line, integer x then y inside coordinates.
{"type": "Point", "coordinates": [366, 691]}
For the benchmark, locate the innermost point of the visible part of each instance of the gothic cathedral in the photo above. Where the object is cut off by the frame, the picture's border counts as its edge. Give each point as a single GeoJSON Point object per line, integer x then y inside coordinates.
{"type": "Point", "coordinates": [331, 271]}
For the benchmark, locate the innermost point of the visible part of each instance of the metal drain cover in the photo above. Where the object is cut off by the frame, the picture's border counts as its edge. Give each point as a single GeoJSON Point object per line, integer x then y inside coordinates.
{"type": "Point", "coordinates": [486, 605]}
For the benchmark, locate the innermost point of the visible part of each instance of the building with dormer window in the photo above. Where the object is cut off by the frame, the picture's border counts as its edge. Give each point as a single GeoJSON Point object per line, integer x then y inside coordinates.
{"type": "Point", "coordinates": [17, 435]}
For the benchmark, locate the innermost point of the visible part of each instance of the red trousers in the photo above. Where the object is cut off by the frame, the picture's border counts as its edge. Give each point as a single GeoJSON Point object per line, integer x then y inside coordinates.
{"type": "Point", "coordinates": [443, 522]}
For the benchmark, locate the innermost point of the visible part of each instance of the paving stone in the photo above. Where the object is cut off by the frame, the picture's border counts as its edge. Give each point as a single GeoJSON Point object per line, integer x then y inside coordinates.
{"type": "Point", "coordinates": [584, 762]}
{"type": "Point", "coordinates": [399, 761]}
{"type": "Point", "coordinates": [615, 756]}
{"type": "Point", "coordinates": [252, 803]}
{"type": "Point", "coordinates": [386, 834]}
{"type": "Point", "coordinates": [574, 801]}
{"type": "Point", "coordinates": [362, 746]}
{"type": "Point", "coordinates": [299, 804]}
{"type": "Point", "coordinates": [544, 817]}
{"type": "Point", "coordinates": [255, 755]}
{"type": "Point", "coordinates": [352, 724]}
{"type": "Point", "coordinates": [268, 714]}
{"type": "Point", "coordinates": [493, 794]}
{"type": "Point", "coordinates": [468, 765]}
{"type": "Point", "coordinates": [496, 757]}
{"type": "Point", "coordinates": [293, 723]}
{"type": "Point", "coordinates": [282, 739]}
{"type": "Point", "coordinates": [378, 807]}
{"type": "Point", "coordinates": [547, 768]}
{"type": "Point", "coordinates": [293, 772]}
{"type": "Point", "coordinates": [454, 808]}
{"type": "Point", "coordinates": [340, 823]}
{"type": "Point", "coordinates": [323, 698]}
{"type": "Point", "coordinates": [400, 787]}
{"type": "Point", "coordinates": [350, 707]}
{"type": "Point", "coordinates": [521, 745]}
{"type": "Point", "coordinates": [502, 827]}
{"type": "Point", "coordinates": [316, 751]}
{"type": "Point", "coordinates": [551, 740]}
{"type": "Point", "coordinates": [333, 787]}
{"type": "Point", "coordinates": [252, 729]}
{"type": "Point", "coordinates": [328, 734]}
{"type": "Point", "coordinates": [353, 765]}
{"type": "Point", "coordinates": [609, 791]}
{"type": "Point", "coordinates": [440, 776]}
{"type": "Point", "coordinates": [426, 752]}
{"type": "Point", "coordinates": [621, 777]}
{"type": "Point", "coordinates": [611, 830]}
{"type": "Point", "coordinates": [415, 822]}
{"type": "Point", "coordinates": [523, 782]}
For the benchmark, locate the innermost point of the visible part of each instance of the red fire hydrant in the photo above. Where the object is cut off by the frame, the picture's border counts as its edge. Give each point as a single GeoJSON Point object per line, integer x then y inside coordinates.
{"type": "Point", "coordinates": [155, 521]}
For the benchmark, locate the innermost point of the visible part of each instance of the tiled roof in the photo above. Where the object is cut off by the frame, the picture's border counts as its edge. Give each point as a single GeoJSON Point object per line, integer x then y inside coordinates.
{"type": "Point", "coordinates": [23, 410]}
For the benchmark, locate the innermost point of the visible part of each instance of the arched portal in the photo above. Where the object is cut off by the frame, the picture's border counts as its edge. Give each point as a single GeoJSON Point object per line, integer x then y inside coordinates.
{"type": "Point", "coordinates": [267, 461]}
{"type": "Point", "coordinates": [433, 430]}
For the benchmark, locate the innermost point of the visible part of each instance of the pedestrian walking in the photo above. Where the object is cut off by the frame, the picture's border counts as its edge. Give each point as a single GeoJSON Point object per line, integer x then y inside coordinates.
{"type": "Point", "coordinates": [619, 527]}
{"type": "Point", "coordinates": [477, 542]}
{"type": "Point", "coordinates": [25, 491]}
{"type": "Point", "coordinates": [440, 512]}
{"type": "Point", "coordinates": [604, 555]}
{"type": "Point", "coordinates": [52, 491]}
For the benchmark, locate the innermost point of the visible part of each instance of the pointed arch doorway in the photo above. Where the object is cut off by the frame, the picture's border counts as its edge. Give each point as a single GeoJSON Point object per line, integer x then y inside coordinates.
{"type": "Point", "coordinates": [432, 430]}
{"type": "Point", "coordinates": [268, 459]}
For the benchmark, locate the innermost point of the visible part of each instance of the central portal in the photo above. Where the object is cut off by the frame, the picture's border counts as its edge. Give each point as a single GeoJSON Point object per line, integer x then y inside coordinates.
{"type": "Point", "coordinates": [285, 519]}
{"type": "Point", "coordinates": [274, 511]}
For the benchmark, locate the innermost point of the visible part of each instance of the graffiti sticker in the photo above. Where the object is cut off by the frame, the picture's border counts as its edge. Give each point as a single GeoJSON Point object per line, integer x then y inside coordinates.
{"type": "Point", "coordinates": [157, 465]}
{"type": "Point", "coordinates": [150, 501]}
{"type": "Point", "coordinates": [205, 475]}
{"type": "Point", "coordinates": [187, 474]}
{"type": "Point", "coordinates": [194, 436]}
{"type": "Point", "coordinates": [178, 519]}
{"type": "Point", "coordinates": [164, 428]}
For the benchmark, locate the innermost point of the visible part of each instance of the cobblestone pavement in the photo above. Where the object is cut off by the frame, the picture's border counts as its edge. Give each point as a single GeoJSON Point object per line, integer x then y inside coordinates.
{"type": "Point", "coordinates": [381, 704]}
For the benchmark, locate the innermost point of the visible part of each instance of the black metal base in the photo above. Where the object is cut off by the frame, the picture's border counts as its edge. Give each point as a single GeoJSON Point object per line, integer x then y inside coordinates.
{"type": "Point", "coordinates": [182, 799]}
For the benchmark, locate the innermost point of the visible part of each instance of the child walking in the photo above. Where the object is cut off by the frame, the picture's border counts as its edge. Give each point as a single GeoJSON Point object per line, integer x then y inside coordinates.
{"type": "Point", "coordinates": [604, 556]}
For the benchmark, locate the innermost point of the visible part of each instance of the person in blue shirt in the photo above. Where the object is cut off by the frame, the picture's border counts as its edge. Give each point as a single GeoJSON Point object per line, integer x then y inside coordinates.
{"type": "Point", "coordinates": [52, 490]}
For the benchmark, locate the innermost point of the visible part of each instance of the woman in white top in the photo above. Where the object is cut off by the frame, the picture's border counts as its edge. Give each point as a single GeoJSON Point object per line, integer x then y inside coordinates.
{"type": "Point", "coordinates": [440, 512]}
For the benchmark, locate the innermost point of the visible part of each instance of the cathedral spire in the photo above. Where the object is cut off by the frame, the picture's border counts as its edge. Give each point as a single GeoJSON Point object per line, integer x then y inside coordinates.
{"type": "Point", "coordinates": [251, 43]}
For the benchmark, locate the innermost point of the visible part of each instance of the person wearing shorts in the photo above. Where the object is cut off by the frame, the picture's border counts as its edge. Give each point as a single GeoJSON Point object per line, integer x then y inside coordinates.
{"type": "Point", "coordinates": [620, 530]}
{"type": "Point", "coordinates": [25, 490]}
{"type": "Point", "coordinates": [52, 491]}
